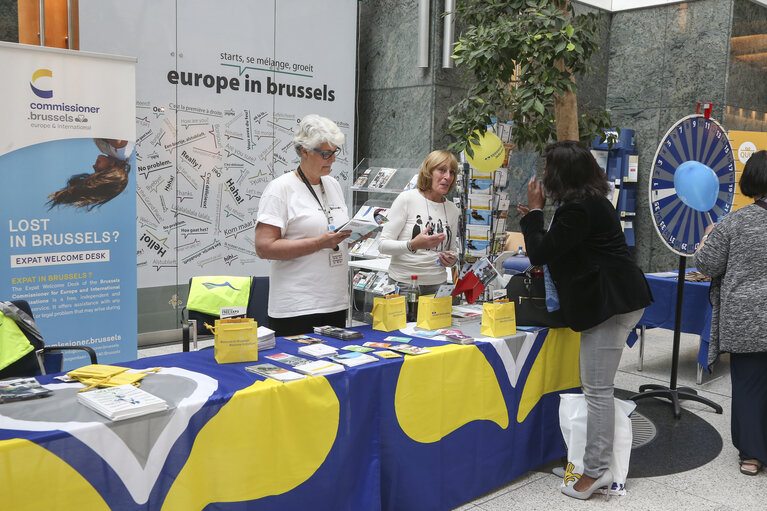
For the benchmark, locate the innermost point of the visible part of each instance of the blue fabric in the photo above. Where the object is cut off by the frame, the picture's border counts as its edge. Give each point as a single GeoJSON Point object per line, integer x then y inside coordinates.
{"type": "Point", "coordinates": [696, 310]}
{"type": "Point", "coordinates": [552, 297]}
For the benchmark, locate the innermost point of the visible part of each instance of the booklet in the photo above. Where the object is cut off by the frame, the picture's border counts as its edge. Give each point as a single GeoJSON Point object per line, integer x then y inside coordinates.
{"type": "Point", "coordinates": [22, 388]}
{"type": "Point", "coordinates": [304, 339]}
{"type": "Point", "coordinates": [288, 359]}
{"type": "Point", "coordinates": [317, 350]}
{"type": "Point", "coordinates": [319, 368]}
{"type": "Point", "coordinates": [409, 349]}
{"type": "Point", "coordinates": [367, 220]}
{"type": "Point", "coordinates": [122, 402]}
{"type": "Point", "coordinates": [353, 359]}
{"type": "Point", "coordinates": [274, 372]}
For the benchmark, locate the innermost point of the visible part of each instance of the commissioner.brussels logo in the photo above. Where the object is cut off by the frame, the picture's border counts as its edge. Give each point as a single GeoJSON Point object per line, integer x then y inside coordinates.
{"type": "Point", "coordinates": [42, 93]}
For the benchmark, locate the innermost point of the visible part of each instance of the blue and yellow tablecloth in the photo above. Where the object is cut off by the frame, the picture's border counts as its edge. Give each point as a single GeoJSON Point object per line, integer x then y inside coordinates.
{"type": "Point", "coordinates": [420, 432]}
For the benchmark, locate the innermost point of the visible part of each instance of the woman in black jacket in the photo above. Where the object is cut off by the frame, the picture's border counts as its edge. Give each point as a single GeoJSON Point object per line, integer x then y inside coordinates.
{"type": "Point", "coordinates": [602, 292]}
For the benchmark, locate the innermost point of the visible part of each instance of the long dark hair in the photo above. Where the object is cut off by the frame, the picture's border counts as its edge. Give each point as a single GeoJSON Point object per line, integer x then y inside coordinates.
{"type": "Point", "coordinates": [573, 173]}
{"type": "Point", "coordinates": [92, 190]}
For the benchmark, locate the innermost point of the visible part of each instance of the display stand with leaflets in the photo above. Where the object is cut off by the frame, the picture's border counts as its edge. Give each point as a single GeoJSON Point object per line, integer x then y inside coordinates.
{"type": "Point", "coordinates": [620, 161]}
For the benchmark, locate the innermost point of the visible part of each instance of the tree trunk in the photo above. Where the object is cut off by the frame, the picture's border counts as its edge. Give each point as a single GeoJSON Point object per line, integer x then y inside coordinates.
{"type": "Point", "coordinates": [566, 107]}
{"type": "Point", "coordinates": [566, 112]}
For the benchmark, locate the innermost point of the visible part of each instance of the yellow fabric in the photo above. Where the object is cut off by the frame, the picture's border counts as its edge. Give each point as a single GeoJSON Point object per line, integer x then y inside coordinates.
{"type": "Point", "coordinates": [555, 368]}
{"type": "Point", "coordinates": [498, 319]}
{"type": "Point", "coordinates": [209, 294]}
{"type": "Point", "coordinates": [434, 313]}
{"type": "Point", "coordinates": [389, 313]}
{"type": "Point", "coordinates": [13, 343]}
{"type": "Point", "coordinates": [96, 371]}
{"type": "Point", "coordinates": [266, 440]}
{"type": "Point", "coordinates": [235, 340]}
{"type": "Point", "coordinates": [434, 397]}
{"type": "Point", "coordinates": [32, 475]}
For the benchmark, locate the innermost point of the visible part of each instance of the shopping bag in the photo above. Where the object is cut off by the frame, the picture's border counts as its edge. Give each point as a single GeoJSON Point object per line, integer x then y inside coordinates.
{"type": "Point", "coordinates": [389, 313]}
{"type": "Point", "coordinates": [572, 422]}
{"type": "Point", "coordinates": [235, 340]}
{"type": "Point", "coordinates": [498, 319]}
{"type": "Point", "coordinates": [434, 313]}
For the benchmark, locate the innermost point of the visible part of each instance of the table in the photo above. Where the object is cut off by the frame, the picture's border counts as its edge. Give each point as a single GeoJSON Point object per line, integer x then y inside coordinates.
{"type": "Point", "coordinates": [696, 311]}
{"type": "Point", "coordinates": [420, 432]}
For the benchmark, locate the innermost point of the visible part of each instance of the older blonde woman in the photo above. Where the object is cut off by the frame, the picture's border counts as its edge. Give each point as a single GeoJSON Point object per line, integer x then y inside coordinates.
{"type": "Point", "coordinates": [297, 217]}
{"type": "Point", "coordinates": [420, 233]}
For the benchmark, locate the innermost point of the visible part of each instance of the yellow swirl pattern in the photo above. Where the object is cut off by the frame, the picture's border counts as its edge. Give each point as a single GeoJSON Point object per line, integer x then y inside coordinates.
{"type": "Point", "coordinates": [269, 438]}
{"type": "Point", "coordinates": [31, 475]}
{"type": "Point", "coordinates": [434, 397]}
{"type": "Point", "coordinates": [555, 368]}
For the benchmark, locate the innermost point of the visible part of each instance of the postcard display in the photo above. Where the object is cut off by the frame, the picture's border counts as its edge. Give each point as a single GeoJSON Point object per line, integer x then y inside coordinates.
{"type": "Point", "coordinates": [376, 184]}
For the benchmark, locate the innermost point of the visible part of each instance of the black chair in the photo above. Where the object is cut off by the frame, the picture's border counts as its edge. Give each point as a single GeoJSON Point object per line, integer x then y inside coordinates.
{"type": "Point", "coordinates": [257, 308]}
{"type": "Point", "coordinates": [43, 359]}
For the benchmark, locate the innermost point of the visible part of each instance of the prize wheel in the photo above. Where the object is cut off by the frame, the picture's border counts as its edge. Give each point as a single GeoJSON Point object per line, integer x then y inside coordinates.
{"type": "Point", "coordinates": [701, 141]}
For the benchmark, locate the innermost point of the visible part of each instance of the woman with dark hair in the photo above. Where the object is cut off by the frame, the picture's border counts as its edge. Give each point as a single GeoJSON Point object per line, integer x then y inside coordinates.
{"type": "Point", "coordinates": [602, 292]}
{"type": "Point", "coordinates": [732, 254]}
{"type": "Point", "coordinates": [109, 179]}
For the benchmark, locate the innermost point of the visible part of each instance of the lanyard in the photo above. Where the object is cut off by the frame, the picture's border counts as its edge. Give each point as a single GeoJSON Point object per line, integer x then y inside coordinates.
{"type": "Point", "coordinates": [320, 202]}
{"type": "Point", "coordinates": [314, 194]}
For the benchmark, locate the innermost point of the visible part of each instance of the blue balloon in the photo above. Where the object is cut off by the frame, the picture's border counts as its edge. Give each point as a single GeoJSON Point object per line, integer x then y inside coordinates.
{"type": "Point", "coordinates": [697, 185]}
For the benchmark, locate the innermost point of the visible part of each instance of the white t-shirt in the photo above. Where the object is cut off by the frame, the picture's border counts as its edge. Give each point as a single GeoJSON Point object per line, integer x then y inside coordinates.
{"type": "Point", "coordinates": [308, 284]}
{"type": "Point", "coordinates": [410, 214]}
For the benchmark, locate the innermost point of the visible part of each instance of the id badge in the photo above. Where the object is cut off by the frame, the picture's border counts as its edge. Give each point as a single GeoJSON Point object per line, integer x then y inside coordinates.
{"type": "Point", "coordinates": [336, 258]}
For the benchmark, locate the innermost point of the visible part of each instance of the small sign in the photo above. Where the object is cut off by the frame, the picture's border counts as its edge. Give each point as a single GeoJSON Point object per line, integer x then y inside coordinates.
{"type": "Point", "coordinates": [232, 312]}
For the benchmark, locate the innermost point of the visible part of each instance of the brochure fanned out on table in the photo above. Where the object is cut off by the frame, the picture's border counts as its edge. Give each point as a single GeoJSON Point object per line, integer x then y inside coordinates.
{"type": "Point", "coordinates": [274, 372]}
{"type": "Point", "coordinates": [123, 402]}
{"type": "Point", "coordinates": [20, 389]}
{"type": "Point", "coordinates": [318, 350]}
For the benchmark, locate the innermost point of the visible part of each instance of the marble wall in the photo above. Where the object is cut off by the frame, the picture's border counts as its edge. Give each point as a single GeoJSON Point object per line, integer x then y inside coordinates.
{"type": "Point", "coordinates": [663, 61]}
{"type": "Point", "coordinates": [9, 21]}
{"type": "Point", "coordinates": [402, 109]}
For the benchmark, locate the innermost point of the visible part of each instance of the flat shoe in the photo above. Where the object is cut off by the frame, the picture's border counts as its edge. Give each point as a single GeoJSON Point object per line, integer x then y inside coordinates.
{"type": "Point", "coordinates": [745, 467]}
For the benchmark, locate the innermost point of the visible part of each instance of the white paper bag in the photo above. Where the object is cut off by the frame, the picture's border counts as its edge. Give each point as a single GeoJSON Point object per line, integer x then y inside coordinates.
{"type": "Point", "coordinates": [572, 422]}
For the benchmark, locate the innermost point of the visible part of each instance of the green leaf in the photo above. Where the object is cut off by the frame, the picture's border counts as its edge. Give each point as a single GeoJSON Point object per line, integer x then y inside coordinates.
{"type": "Point", "coordinates": [569, 30]}
{"type": "Point", "coordinates": [570, 46]}
{"type": "Point", "coordinates": [538, 106]}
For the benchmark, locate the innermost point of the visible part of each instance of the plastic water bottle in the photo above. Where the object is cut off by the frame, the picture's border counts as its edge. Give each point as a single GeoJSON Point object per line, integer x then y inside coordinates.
{"type": "Point", "coordinates": [411, 291]}
{"type": "Point", "coordinates": [520, 252]}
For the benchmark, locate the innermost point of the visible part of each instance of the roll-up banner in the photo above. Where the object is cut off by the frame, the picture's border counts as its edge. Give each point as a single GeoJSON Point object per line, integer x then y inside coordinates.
{"type": "Point", "coordinates": [67, 164]}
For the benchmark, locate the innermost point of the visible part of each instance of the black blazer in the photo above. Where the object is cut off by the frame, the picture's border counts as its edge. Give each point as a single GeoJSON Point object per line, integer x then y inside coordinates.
{"type": "Point", "coordinates": [589, 261]}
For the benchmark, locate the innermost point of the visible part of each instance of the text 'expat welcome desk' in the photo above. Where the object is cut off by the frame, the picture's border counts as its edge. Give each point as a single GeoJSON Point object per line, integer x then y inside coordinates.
{"type": "Point", "coordinates": [424, 432]}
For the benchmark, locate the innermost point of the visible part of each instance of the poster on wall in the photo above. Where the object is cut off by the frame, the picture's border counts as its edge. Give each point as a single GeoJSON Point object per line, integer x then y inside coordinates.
{"type": "Point", "coordinates": [67, 164]}
{"type": "Point", "coordinates": [220, 93]}
{"type": "Point", "coordinates": [744, 144]}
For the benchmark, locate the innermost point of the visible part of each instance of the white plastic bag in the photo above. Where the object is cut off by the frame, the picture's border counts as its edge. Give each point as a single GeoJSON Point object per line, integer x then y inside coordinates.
{"type": "Point", "coordinates": [572, 422]}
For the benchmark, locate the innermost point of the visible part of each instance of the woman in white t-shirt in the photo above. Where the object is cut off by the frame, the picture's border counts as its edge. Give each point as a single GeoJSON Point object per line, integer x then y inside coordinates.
{"type": "Point", "coordinates": [421, 232]}
{"type": "Point", "coordinates": [297, 215]}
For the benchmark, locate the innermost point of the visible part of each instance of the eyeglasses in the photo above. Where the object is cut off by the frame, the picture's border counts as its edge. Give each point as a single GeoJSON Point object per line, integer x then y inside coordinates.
{"type": "Point", "coordinates": [326, 155]}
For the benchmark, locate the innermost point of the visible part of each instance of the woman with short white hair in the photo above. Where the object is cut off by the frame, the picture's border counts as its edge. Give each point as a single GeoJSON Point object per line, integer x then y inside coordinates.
{"type": "Point", "coordinates": [297, 217]}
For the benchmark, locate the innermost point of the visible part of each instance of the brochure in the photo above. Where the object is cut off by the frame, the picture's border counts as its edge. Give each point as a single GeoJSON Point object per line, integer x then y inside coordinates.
{"type": "Point", "coordinates": [22, 388]}
{"type": "Point", "coordinates": [122, 402]}
{"type": "Point", "coordinates": [274, 372]}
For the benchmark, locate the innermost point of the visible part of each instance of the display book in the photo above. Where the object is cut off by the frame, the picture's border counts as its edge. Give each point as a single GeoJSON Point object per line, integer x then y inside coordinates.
{"type": "Point", "coordinates": [121, 402]}
{"type": "Point", "coordinates": [377, 182]}
{"type": "Point", "coordinates": [20, 389]}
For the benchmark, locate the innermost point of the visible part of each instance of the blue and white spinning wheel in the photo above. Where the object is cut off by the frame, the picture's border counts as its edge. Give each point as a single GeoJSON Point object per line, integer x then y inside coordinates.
{"type": "Point", "coordinates": [692, 183]}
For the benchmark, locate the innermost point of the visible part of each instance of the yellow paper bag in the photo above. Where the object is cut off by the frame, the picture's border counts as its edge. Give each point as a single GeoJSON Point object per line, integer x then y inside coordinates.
{"type": "Point", "coordinates": [389, 313]}
{"type": "Point", "coordinates": [498, 319]}
{"type": "Point", "coordinates": [235, 340]}
{"type": "Point", "coordinates": [434, 313]}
